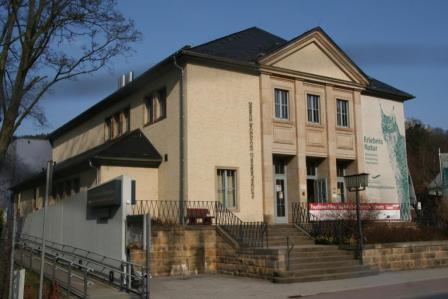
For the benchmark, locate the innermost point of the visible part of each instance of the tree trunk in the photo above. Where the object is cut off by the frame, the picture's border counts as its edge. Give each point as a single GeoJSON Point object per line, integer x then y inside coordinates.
{"type": "Point", "coordinates": [5, 254]}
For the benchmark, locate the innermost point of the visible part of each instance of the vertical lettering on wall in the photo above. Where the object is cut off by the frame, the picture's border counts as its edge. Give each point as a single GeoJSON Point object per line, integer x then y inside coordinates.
{"type": "Point", "coordinates": [251, 151]}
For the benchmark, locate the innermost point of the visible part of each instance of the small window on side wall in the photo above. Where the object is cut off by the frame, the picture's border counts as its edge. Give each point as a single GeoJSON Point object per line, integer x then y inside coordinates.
{"type": "Point", "coordinates": [227, 188]}
{"type": "Point", "coordinates": [156, 106]}
{"type": "Point", "coordinates": [281, 103]}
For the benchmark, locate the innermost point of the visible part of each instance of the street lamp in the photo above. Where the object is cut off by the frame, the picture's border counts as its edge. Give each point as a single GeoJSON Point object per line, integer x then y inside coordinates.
{"type": "Point", "coordinates": [355, 183]}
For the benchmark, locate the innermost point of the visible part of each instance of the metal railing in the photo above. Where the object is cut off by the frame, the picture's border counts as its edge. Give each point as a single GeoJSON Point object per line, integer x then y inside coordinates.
{"type": "Point", "coordinates": [337, 232]}
{"type": "Point", "coordinates": [125, 275]}
{"type": "Point", "coordinates": [246, 234]}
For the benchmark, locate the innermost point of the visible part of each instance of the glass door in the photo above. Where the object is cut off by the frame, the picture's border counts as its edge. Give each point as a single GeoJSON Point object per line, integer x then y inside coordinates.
{"type": "Point", "coordinates": [280, 192]}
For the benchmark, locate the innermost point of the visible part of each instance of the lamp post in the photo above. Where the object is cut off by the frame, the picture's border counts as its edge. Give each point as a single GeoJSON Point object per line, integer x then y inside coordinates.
{"type": "Point", "coordinates": [355, 183]}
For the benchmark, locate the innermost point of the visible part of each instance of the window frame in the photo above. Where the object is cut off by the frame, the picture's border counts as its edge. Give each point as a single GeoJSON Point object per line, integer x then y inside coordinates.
{"type": "Point", "coordinates": [117, 124]}
{"type": "Point", "coordinates": [340, 114]}
{"type": "Point", "coordinates": [155, 103]}
{"type": "Point", "coordinates": [313, 112]}
{"type": "Point", "coordinates": [284, 108]}
{"type": "Point", "coordinates": [224, 191]}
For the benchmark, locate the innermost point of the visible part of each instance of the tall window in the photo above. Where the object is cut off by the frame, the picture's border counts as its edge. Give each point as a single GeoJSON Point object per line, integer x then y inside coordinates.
{"type": "Point", "coordinates": [342, 113]}
{"type": "Point", "coordinates": [313, 104]}
{"type": "Point", "coordinates": [281, 104]}
{"type": "Point", "coordinates": [118, 124]}
{"type": "Point", "coordinates": [156, 106]}
{"type": "Point", "coordinates": [227, 188]}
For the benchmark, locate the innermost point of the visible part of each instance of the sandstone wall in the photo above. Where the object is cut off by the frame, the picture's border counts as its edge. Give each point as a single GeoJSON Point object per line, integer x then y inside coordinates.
{"type": "Point", "coordinates": [407, 256]}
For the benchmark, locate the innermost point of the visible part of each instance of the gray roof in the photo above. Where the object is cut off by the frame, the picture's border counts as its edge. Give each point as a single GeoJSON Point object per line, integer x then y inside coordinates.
{"type": "Point", "coordinates": [251, 44]}
{"type": "Point", "coordinates": [246, 47]}
{"type": "Point", "coordinates": [131, 149]}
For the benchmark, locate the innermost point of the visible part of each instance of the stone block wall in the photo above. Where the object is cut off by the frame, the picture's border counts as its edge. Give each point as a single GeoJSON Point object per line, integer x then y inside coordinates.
{"type": "Point", "coordinates": [180, 251]}
{"type": "Point", "coordinates": [406, 256]}
{"type": "Point", "coordinates": [257, 263]}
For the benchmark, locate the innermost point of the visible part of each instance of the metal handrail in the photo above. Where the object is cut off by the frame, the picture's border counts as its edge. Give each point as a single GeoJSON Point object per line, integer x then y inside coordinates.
{"type": "Point", "coordinates": [337, 232]}
{"type": "Point", "coordinates": [55, 260]}
{"type": "Point", "coordinates": [38, 239]}
{"type": "Point", "coordinates": [125, 275]}
{"type": "Point", "coordinates": [166, 212]}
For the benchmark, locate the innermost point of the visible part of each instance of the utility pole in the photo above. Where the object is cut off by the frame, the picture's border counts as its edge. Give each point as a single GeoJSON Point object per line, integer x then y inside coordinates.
{"type": "Point", "coordinates": [148, 252]}
{"type": "Point", "coordinates": [44, 218]}
{"type": "Point", "coordinates": [13, 245]}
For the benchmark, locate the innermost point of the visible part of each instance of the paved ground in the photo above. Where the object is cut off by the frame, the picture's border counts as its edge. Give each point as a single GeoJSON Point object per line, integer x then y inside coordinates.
{"type": "Point", "coordinates": [432, 283]}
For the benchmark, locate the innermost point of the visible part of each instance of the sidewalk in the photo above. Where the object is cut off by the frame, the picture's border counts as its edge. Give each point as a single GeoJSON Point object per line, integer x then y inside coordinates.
{"type": "Point", "coordinates": [233, 287]}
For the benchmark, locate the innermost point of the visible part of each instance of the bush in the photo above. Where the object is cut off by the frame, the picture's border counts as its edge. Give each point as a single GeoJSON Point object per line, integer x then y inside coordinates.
{"type": "Point", "coordinates": [382, 232]}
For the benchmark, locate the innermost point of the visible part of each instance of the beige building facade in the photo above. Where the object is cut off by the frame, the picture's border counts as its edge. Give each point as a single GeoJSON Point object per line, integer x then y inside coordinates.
{"type": "Point", "coordinates": [251, 120]}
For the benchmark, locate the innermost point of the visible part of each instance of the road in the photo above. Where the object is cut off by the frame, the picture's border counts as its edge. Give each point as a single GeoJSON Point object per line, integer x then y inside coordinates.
{"type": "Point", "coordinates": [436, 289]}
{"type": "Point", "coordinates": [418, 284]}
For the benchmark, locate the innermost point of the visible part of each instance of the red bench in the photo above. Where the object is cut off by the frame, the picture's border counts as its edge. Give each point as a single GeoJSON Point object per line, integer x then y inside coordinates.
{"type": "Point", "coordinates": [194, 214]}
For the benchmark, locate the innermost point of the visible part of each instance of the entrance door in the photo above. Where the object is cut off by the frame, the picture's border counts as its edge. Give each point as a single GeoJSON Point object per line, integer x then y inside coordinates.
{"type": "Point", "coordinates": [280, 192]}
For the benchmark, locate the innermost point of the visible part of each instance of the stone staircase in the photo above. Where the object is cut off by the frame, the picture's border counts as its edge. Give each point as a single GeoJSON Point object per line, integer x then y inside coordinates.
{"type": "Point", "coordinates": [310, 262]}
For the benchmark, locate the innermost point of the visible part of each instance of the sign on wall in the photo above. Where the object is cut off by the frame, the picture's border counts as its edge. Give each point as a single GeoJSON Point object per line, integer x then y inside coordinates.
{"type": "Point", "coordinates": [444, 174]}
{"type": "Point", "coordinates": [385, 153]}
{"type": "Point", "coordinates": [347, 211]}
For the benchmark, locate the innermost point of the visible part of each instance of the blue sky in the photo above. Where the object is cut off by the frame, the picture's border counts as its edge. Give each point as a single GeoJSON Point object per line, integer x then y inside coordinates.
{"type": "Point", "coordinates": [404, 43]}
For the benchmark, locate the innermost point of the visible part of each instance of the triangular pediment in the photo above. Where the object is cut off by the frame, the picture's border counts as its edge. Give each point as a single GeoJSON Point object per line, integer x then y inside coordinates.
{"type": "Point", "coordinates": [316, 54]}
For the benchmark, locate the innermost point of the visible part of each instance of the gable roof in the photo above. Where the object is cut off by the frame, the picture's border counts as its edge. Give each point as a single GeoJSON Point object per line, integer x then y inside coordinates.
{"type": "Point", "coordinates": [131, 149]}
{"type": "Point", "coordinates": [247, 46]}
{"type": "Point", "coordinates": [255, 44]}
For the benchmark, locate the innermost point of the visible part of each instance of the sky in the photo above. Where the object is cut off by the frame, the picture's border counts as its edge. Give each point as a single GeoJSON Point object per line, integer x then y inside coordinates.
{"type": "Point", "coordinates": [403, 43]}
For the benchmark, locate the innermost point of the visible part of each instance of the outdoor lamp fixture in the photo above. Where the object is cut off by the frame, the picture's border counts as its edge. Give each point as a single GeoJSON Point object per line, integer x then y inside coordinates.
{"type": "Point", "coordinates": [355, 183]}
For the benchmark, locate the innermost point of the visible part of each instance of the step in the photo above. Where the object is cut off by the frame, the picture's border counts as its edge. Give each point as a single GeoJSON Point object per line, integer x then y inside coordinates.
{"type": "Point", "coordinates": [308, 260]}
{"type": "Point", "coordinates": [320, 253]}
{"type": "Point", "coordinates": [314, 248]}
{"type": "Point", "coordinates": [335, 276]}
{"type": "Point", "coordinates": [323, 271]}
{"type": "Point", "coordinates": [296, 240]}
{"type": "Point", "coordinates": [329, 264]}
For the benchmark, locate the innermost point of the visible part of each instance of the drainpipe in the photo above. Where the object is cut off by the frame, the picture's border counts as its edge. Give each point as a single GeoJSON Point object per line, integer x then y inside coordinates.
{"type": "Point", "coordinates": [181, 142]}
{"type": "Point", "coordinates": [97, 173]}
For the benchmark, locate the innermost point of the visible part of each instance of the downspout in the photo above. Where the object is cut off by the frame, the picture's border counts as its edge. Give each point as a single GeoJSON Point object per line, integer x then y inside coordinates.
{"type": "Point", "coordinates": [97, 176]}
{"type": "Point", "coordinates": [181, 143]}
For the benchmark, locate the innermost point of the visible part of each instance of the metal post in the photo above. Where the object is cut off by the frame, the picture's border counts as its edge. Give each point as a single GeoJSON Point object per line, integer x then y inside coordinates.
{"type": "Point", "coordinates": [42, 257]}
{"type": "Point", "coordinates": [69, 279]}
{"type": "Point", "coordinates": [11, 273]}
{"type": "Point", "coordinates": [85, 282]}
{"type": "Point", "coordinates": [148, 252]}
{"type": "Point", "coordinates": [358, 217]}
{"type": "Point", "coordinates": [54, 270]}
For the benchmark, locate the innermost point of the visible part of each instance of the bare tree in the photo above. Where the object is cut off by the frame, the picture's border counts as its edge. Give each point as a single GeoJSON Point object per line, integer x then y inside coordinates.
{"type": "Point", "coordinates": [43, 42]}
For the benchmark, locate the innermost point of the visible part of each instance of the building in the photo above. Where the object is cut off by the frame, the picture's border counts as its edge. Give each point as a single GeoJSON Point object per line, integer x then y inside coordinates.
{"type": "Point", "coordinates": [26, 156]}
{"type": "Point", "coordinates": [251, 120]}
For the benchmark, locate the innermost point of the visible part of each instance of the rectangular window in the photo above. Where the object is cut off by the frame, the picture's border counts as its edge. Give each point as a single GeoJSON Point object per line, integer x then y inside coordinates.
{"type": "Point", "coordinates": [313, 104]}
{"type": "Point", "coordinates": [156, 106]}
{"type": "Point", "coordinates": [117, 125]}
{"type": "Point", "coordinates": [108, 127]}
{"type": "Point", "coordinates": [281, 104]}
{"type": "Point", "coordinates": [127, 120]}
{"type": "Point", "coordinates": [227, 188]}
{"type": "Point", "coordinates": [342, 113]}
